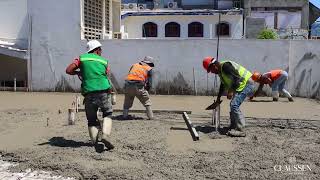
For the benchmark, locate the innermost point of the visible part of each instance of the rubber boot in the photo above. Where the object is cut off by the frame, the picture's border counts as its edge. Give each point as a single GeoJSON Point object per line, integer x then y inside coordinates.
{"type": "Point", "coordinates": [93, 133]}
{"type": "Point", "coordinates": [106, 131]}
{"type": "Point", "coordinates": [275, 95]}
{"type": "Point", "coordinates": [239, 122]}
{"type": "Point", "coordinates": [232, 122]}
{"type": "Point", "coordinates": [149, 112]}
{"type": "Point", "coordinates": [287, 94]}
{"type": "Point", "coordinates": [125, 113]}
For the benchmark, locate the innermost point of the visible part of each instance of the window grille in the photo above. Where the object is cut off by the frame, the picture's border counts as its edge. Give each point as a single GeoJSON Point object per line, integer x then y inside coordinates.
{"type": "Point", "coordinates": [93, 18]}
{"type": "Point", "coordinates": [195, 29]}
{"type": "Point", "coordinates": [172, 29]}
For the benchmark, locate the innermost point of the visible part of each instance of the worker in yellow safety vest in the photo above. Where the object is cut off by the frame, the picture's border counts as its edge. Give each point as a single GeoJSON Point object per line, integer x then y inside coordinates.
{"type": "Point", "coordinates": [237, 81]}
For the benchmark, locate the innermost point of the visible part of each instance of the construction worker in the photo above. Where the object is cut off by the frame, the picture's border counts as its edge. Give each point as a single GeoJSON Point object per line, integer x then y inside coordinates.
{"type": "Point", "coordinates": [96, 89]}
{"type": "Point", "coordinates": [237, 81]}
{"type": "Point", "coordinates": [137, 84]}
{"type": "Point", "coordinates": [276, 80]}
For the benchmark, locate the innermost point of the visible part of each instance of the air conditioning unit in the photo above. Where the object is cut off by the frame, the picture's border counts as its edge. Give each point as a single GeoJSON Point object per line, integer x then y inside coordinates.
{"type": "Point", "coordinates": [142, 6]}
{"type": "Point", "coordinates": [172, 5]}
{"type": "Point", "coordinates": [129, 6]}
{"type": "Point", "coordinates": [117, 35]}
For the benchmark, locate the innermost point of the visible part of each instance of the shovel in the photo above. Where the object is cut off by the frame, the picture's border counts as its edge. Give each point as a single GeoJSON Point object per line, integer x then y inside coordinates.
{"type": "Point", "coordinates": [214, 105]}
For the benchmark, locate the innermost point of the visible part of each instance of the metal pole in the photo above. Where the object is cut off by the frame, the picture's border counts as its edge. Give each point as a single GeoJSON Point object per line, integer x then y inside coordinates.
{"type": "Point", "coordinates": [218, 36]}
{"type": "Point", "coordinates": [213, 118]}
{"type": "Point", "coordinates": [194, 82]}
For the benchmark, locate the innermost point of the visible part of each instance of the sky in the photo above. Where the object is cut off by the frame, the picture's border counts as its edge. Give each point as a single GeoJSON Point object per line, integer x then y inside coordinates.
{"type": "Point", "coordinates": [316, 3]}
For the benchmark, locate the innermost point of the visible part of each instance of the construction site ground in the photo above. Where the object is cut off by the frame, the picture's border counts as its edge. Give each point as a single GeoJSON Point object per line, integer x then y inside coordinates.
{"type": "Point", "coordinates": [282, 142]}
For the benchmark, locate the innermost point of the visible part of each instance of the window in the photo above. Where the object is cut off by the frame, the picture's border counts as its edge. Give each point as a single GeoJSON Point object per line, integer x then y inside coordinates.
{"type": "Point", "coordinates": [149, 29]}
{"type": "Point", "coordinates": [93, 11]}
{"type": "Point", "coordinates": [172, 29]}
{"type": "Point", "coordinates": [224, 29]}
{"type": "Point", "coordinates": [195, 29]}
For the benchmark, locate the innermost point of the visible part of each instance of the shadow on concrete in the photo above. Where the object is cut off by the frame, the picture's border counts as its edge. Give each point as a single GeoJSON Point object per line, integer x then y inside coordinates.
{"type": "Point", "coordinates": [253, 100]}
{"type": "Point", "coordinates": [206, 129]}
{"type": "Point", "coordinates": [129, 118]}
{"type": "Point", "coordinates": [62, 142]}
{"type": "Point", "coordinates": [179, 128]}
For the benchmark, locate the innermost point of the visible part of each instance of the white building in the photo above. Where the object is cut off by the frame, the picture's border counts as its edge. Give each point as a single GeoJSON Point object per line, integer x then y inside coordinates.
{"type": "Point", "coordinates": [183, 24]}
{"type": "Point", "coordinates": [33, 28]}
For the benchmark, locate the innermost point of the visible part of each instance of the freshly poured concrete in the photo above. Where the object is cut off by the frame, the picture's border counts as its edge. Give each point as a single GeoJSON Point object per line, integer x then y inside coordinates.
{"type": "Point", "coordinates": [34, 133]}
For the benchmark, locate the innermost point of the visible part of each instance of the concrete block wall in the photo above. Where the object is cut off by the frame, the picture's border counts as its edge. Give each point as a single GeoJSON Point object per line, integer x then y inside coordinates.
{"type": "Point", "coordinates": [179, 63]}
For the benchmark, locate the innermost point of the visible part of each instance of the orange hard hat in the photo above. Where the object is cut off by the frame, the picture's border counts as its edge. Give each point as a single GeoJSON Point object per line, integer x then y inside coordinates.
{"type": "Point", "coordinates": [207, 61]}
{"type": "Point", "coordinates": [256, 76]}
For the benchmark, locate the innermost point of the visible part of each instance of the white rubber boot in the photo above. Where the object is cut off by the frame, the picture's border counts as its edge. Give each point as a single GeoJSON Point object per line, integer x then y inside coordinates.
{"type": "Point", "coordinates": [149, 112]}
{"type": "Point", "coordinates": [106, 131]}
{"type": "Point", "coordinates": [93, 133]}
{"type": "Point", "coordinates": [287, 94]}
{"type": "Point", "coordinates": [125, 113]}
{"type": "Point", "coordinates": [275, 95]}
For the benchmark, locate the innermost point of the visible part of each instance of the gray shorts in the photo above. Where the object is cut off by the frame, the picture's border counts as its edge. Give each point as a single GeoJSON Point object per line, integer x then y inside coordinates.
{"type": "Point", "coordinates": [92, 102]}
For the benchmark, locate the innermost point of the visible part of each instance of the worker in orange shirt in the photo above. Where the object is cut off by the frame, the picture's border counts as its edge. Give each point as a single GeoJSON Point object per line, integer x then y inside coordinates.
{"type": "Point", "coordinates": [276, 80]}
{"type": "Point", "coordinates": [137, 84]}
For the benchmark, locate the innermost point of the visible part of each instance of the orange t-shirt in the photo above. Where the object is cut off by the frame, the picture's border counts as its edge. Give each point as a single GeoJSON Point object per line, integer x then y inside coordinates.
{"type": "Point", "coordinates": [275, 74]}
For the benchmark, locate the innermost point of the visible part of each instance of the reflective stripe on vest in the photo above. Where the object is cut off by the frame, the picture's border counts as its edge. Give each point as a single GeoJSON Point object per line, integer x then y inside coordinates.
{"type": "Point", "coordinates": [243, 72]}
{"type": "Point", "coordinates": [138, 72]}
{"type": "Point", "coordinates": [94, 59]}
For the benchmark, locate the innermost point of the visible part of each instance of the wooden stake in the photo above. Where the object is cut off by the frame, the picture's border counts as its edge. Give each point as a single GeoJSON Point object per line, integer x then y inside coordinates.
{"type": "Point", "coordinates": [71, 116]}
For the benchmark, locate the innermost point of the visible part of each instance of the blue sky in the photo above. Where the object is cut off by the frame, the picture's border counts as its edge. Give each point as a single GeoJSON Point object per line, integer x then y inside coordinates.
{"type": "Point", "coordinates": [316, 3]}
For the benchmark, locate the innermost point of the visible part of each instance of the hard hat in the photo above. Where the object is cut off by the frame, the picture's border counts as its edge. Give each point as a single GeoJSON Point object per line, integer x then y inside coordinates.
{"type": "Point", "coordinates": [148, 60]}
{"type": "Point", "coordinates": [93, 44]}
{"type": "Point", "coordinates": [207, 61]}
{"type": "Point", "coordinates": [256, 76]}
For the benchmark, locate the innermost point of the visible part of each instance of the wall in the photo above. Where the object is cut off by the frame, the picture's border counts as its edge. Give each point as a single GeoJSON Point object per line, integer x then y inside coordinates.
{"type": "Point", "coordinates": [176, 59]}
{"type": "Point", "coordinates": [133, 24]}
{"type": "Point", "coordinates": [305, 63]}
{"type": "Point", "coordinates": [14, 21]}
{"type": "Point", "coordinates": [254, 26]}
{"type": "Point", "coordinates": [55, 40]}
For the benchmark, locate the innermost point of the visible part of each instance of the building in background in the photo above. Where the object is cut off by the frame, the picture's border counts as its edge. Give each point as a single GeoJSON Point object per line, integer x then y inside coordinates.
{"type": "Point", "coordinates": [166, 24]}
{"type": "Point", "coordinates": [181, 19]}
{"type": "Point", "coordinates": [289, 18]}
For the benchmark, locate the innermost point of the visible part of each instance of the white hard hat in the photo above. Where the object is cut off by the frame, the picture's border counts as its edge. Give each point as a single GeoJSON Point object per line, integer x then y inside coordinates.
{"type": "Point", "coordinates": [93, 44]}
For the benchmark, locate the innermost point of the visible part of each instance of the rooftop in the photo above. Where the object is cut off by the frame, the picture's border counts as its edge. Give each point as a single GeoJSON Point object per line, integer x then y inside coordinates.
{"type": "Point", "coordinates": [166, 12]}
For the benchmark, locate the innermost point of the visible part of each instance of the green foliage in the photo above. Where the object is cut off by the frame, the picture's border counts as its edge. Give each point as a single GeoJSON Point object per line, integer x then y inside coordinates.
{"type": "Point", "coordinates": [267, 34]}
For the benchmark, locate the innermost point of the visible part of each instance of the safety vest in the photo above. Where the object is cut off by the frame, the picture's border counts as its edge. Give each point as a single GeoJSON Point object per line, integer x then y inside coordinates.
{"type": "Point", "coordinates": [138, 72]}
{"type": "Point", "coordinates": [243, 72]}
{"type": "Point", "coordinates": [93, 71]}
{"type": "Point", "coordinates": [275, 74]}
